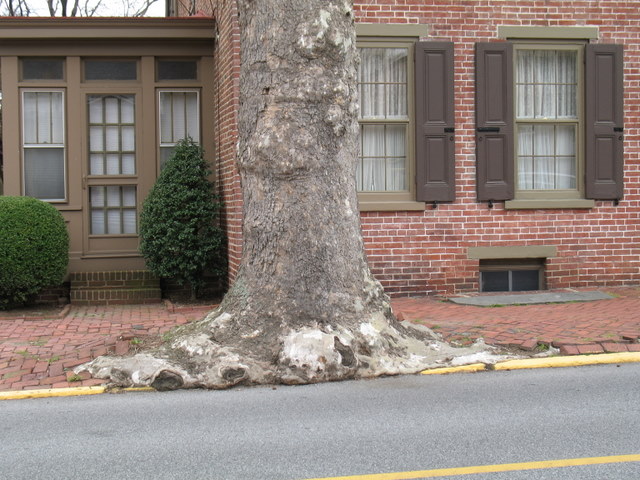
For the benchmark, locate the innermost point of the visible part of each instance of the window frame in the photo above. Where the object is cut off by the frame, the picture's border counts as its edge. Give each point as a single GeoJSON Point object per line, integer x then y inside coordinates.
{"type": "Point", "coordinates": [22, 79]}
{"type": "Point", "coordinates": [160, 143]}
{"type": "Point", "coordinates": [63, 145]}
{"type": "Point", "coordinates": [405, 199]}
{"type": "Point", "coordinates": [121, 207]}
{"type": "Point", "coordinates": [561, 194]}
{"type": "Point", "coordinates": [104, 81]}
{"type": "Point", "coordinates": [104, 125]}
{"type": "Point", "coordinates": [91, 180]}
{"type": "Point", "coordinates": [159, 60]}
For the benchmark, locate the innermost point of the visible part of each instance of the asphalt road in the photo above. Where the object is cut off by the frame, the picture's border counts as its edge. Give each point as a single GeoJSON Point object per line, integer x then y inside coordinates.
{"type": "Point", "coordinates": [402, 424]}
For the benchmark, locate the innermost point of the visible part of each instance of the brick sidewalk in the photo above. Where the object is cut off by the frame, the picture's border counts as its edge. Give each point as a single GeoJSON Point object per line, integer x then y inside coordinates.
{"type": "Point", "coordinates": [575, 328]}
{"type": "Point", "coordinates": [41, 353]}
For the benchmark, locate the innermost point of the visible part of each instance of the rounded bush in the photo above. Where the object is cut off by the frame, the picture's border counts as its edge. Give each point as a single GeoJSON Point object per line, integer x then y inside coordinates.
{"type": "Point", "coordinates": [34, 246]}
{"type": "Point", "coordinates": [179, 233]}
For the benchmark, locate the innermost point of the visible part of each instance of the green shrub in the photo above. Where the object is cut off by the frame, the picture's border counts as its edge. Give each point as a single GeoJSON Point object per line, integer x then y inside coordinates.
{"type": "Point", "coordinates": [179, 233]}
{"type": "Point", "coordinates": [34, 249]}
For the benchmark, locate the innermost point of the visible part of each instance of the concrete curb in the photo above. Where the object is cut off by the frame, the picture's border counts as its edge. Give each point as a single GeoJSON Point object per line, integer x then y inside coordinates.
{"type": "Point", "coordinates": [67, 392]}
{"type": "Point", "coordinates": [520, 364]}
{"type": "Point", "coordinates": [547, 362]}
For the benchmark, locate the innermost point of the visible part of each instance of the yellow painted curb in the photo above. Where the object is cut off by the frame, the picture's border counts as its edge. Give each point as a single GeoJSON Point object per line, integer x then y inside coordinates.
{"type": "Point", "coordinates": [52, 392]}
{"type": "Point", "coordinates": [66, 392]}
{"type": "Point", "coordinates": [474, 367]}
{"type": "Point", "coordinates": [546, 362]}
{"type": "Point", "coordinates": [571, 361]}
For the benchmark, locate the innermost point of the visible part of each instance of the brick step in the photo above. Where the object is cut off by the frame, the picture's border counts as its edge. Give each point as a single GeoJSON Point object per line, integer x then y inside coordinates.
{"type": "Point", "coordinates": [113, 288]}
{"type": "Point", "coordinates": [115, 296]}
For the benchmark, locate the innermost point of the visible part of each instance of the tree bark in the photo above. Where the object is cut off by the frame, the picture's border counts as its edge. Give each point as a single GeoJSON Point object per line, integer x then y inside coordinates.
{"type": "Point", "coordinates": [305, 306]}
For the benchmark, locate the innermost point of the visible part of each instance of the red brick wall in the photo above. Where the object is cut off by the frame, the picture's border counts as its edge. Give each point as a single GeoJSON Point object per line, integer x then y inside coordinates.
{"type": "Point", "coordinates": [227, 74]}
{"type": "Point", "coordinates": [426, 252]}
{"type": "Point", "coordinates": [227, 80]}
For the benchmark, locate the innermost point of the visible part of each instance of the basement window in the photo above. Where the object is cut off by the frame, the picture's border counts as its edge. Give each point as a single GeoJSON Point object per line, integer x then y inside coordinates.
{"type": "Point", "coordinates": [512, 275]}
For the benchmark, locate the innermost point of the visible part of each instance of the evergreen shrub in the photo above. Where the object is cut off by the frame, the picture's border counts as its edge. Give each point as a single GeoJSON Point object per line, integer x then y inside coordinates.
{"type": "Point", "coordinates": [180, 236]}
{"type": "Point", "coordinates": [34, 249]}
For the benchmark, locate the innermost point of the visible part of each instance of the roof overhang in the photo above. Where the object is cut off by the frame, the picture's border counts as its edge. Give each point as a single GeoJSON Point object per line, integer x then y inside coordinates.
{"type": "Point", "coordinates": [88, 28]}
{"type": "Point", "coordinates": [82, 35]}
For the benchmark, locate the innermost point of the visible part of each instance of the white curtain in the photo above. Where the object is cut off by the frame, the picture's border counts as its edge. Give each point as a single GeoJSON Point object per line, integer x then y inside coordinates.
{"type": "Point", "coordinates": [179, 114]}
{"type": "Point", "coordinates": [546, 83]}
{"type": "Point", "coordinates": [383, 96]}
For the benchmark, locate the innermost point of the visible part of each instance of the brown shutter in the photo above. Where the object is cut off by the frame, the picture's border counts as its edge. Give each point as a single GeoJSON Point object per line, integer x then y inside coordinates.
{"type": "Point", "coordinates": [435, 145]}
{"type": "Point", "coordinates": [604, 122]}
{"type": "Point", "coordinates": [494, 121]}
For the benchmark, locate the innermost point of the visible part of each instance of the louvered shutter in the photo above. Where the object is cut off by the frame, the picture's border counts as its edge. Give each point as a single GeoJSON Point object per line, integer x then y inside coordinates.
{"type": "Point", "coordinates": [494, 121]}
{"type": "Point", "coordinates": [604, 122]}
{"type": "Point", "coordinates": [435, 141]}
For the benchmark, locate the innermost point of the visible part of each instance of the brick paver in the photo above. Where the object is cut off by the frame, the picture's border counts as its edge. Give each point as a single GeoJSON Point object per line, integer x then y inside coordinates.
{"type": "Point", "coordinates": [41, 353]}
{"type": "Point", "coordinates": [590, 327]}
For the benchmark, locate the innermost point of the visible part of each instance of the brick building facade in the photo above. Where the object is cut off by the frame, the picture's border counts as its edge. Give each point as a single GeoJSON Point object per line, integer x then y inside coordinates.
{"type": "Point", "coordinates": [547, 226]}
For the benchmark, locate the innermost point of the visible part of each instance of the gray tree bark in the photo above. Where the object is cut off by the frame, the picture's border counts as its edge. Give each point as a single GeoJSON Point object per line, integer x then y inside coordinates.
{"type": "Point", "coordinates": [305, 306]}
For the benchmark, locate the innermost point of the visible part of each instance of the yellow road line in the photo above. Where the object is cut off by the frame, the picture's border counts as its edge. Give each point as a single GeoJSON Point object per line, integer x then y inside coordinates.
{"type": "Point", "coordinates": [507, 467]}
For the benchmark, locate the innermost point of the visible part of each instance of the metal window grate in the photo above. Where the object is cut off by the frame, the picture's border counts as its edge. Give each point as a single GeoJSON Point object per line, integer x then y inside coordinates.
{"type": "Point", "coordinates": [511, 275]}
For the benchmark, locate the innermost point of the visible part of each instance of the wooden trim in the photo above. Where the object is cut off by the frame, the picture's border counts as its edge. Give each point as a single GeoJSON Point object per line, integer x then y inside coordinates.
{"type": "Point", "coordinates": [509, 252]}
{"type": "Point", "coordinates": [91, 28]}
{"type": "Point", "coordinates": [564, 33]}
{"type": "Point", "coordinates": [554, 203]}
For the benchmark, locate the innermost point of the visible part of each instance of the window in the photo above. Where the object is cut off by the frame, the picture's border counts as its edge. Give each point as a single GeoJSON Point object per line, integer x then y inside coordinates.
{"type": "Point", "coordinates": [42, 69]}
{"type": "Point", "coordinates": [110, 70]}
{"type": "Point", "coordinates": [512, 275]}
{"type": "Point", "coordinates": [177, 70]}
{"type": "Point", "coordinates": [406, 123]}
{"type": "Point", "coordinates": [112, 152]}
{"type": "Point", "coordinates": [179, 119]}
{"type": "Point", "coordinates": [43, 144]}
{"type": "Point", "coordinates": [112, 135]}
{"type": "Point", "coordinates": [548, 121]}
{"type": "Point", "coordinates": [384, 119]}
{"type": "Point", "coordinates": [113, 210]}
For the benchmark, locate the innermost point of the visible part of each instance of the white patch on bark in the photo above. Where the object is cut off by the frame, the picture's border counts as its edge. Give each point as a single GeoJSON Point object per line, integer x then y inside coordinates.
{"type": "Point", "coordinates": [139, 370]}
{"type": "Point", "coordinates": [323, 23]}
{"type": "Point", "coordinates": [196, 345]}
{"type": "Point", "coordinates": [368, 331]}
{"type": "Point", "coordinates": [310, 349]}
{"type": "Point", "coordinates": [219, 320]}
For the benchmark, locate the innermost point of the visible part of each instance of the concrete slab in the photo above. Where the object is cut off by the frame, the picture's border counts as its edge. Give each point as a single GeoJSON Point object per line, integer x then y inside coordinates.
{"type": "Point", "coordinates": [531, 298]}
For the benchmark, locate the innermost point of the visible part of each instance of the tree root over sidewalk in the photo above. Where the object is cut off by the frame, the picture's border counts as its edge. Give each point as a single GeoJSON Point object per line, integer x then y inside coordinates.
{"type": "Point", "coordinates": [220, 352]}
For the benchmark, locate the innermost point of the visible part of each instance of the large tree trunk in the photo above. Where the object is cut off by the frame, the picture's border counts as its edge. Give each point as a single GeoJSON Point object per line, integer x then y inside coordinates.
{"type": "Point", "coordinates": [305, 306]}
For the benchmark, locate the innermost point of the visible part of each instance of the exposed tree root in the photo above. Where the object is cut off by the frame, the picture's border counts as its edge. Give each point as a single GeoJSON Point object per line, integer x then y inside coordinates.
{"type": "Point", "coordinates": [196, 359]}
